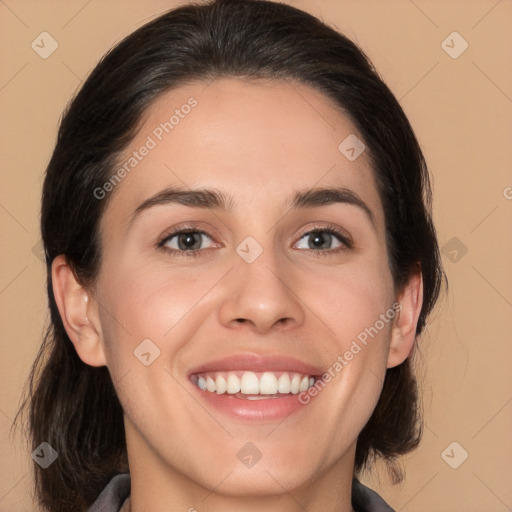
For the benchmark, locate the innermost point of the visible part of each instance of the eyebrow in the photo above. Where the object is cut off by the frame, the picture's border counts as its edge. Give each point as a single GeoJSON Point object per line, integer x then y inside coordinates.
{"type": "Point", "coordinates": [217, 200]}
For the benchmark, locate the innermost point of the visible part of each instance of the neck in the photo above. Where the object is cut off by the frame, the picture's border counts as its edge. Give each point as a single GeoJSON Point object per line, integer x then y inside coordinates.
{"type": "Point", "coordinates": [157, 486]}
{"type": "Point", "coordinates": [285, 501]}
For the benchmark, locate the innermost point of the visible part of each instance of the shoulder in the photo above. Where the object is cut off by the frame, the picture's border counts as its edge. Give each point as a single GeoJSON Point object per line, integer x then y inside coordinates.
{"type": "Point", "coordinates": [366, 500]}
{"type": "Point", "coordinates": [113, 495]}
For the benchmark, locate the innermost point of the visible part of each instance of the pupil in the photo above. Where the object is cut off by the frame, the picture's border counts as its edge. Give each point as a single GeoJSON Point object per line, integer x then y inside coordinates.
{"type": "Point", "coordinates": [188, 239]}
{"type": "Point", "coordinates": [318, 237]}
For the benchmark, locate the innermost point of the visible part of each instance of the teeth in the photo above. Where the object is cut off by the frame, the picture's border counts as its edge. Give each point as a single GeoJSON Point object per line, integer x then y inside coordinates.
{"type": "Point", "coordinates": [268, 384]}
{"type": "Point", "coordinates": [233, 384]}
{"type": "Point", "coordinates": [304, 384]}
{"type": "Point", "coordinates": [284, 384]}
{"type": "Point", "coordinates": [210, 384]}
{"type": "Point", "coordinates": [250, 383]}
{"type": "Point", "coordinates": [220, 384]}
{"type": "Point", "coordinates": [295, 384]}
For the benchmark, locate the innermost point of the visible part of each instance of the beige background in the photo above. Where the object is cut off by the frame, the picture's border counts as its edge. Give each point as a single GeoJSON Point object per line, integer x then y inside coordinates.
{"type": "Point", "coordinates": [461, 110]}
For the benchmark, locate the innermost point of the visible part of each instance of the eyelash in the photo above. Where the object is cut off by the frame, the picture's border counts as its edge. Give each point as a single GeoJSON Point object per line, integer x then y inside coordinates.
{"type": "Point", "coordinates": [340, 235]}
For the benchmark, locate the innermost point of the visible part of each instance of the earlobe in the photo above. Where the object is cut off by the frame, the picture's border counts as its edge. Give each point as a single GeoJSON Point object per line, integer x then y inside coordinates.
{"type": "Point", "coordinates": [78, 313]}
{"type": "Point", "coordinates": [403, 331]}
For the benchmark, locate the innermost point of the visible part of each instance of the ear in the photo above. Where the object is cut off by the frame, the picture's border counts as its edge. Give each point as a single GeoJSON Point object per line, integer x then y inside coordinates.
{"type": "Point", "coordinates": [78, 312]}
{"type": "Point", "coordinates": [403, 333]}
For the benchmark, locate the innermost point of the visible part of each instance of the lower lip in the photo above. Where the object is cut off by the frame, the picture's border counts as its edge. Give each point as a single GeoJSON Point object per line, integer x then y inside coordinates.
{"type": "Point", "coordinates": [262, 410]}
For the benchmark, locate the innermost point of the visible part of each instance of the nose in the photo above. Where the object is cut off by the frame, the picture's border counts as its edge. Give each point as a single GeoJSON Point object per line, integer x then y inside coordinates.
{"type": "Point", "coordinates": [261, 295]}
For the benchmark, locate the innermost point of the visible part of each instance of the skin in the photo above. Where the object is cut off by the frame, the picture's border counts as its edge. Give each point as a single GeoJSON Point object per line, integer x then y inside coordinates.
{"type": "Point", "coordinates": [259, 142]}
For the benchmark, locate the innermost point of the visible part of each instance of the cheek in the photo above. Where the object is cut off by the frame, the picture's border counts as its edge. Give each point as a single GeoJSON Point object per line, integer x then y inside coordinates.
{"type": "Point", "coordinates": [356, 308]}
{"type": "Point", "coordinates": [147, 301]}
{"type": "Point", "coordinates": [352, 299]}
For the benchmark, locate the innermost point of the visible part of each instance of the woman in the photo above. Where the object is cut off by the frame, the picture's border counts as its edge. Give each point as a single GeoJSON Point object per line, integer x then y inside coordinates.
{"type": "Point", "coordinates": [241, 257]}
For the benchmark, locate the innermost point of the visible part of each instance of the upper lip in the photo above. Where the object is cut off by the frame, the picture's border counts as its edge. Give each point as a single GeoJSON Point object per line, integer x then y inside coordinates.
{"type": "Point", "coordinates": [258, 363]}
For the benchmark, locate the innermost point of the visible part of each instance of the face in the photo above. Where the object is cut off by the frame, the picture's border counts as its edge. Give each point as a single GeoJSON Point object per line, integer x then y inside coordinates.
{"type": "Point", "coordinates": [217, 311]}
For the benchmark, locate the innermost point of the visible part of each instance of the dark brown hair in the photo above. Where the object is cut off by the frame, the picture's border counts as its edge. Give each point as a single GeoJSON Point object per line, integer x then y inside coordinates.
{"type": "Point", "coordinates": [73, 406]}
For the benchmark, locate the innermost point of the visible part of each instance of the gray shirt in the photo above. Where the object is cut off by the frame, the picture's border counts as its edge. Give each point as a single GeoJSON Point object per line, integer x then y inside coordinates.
{"type": "Point", "coordinates": [117, 491]}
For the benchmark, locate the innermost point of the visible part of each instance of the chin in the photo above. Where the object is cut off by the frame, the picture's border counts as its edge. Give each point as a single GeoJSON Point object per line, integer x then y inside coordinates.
{"type": "Point", "coordinates": [261, 480]}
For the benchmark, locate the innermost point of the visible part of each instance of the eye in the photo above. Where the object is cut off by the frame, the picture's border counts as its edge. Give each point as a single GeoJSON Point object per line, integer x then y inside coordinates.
{"type": "Point", "coordinates": [184, 241]}
{"type": "Point", "coordinates": [188, 242]}
{"type": "Point", "coordinates": [321, 240]}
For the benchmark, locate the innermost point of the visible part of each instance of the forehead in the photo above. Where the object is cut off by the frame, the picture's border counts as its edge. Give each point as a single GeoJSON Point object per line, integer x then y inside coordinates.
{"type": "Point", "coordinates": [257, 140]}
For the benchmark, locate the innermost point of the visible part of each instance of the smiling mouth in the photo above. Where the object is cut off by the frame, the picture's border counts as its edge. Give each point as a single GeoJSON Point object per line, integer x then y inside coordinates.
{"type": "Point", "coordinates": [251, 385]}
